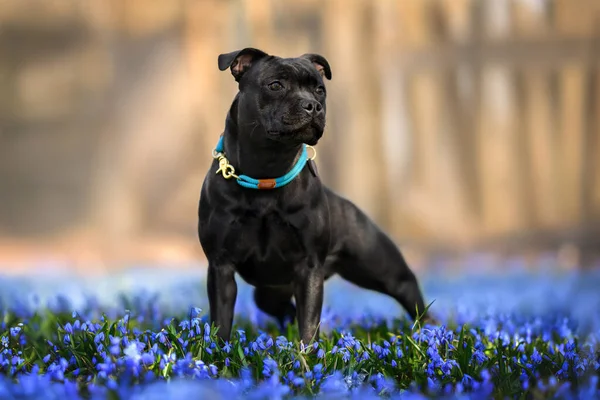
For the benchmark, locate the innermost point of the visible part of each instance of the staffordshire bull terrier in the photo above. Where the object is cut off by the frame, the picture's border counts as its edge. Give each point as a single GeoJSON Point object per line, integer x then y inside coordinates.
{"type": "Point", "coordinates": [264, 213]}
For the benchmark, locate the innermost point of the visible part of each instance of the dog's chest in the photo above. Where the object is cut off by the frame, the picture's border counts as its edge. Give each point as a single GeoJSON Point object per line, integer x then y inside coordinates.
{"type": "Point", "coordinates": [266, 244]}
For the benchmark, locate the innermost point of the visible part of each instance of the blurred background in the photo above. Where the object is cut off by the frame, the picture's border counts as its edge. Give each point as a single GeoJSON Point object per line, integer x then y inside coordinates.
{"type": "Point", "coordinates": [459, 126]}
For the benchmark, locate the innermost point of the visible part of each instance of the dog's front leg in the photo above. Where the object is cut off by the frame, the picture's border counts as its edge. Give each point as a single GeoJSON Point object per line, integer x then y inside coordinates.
{"type": "Point", "coordinates": [308, 292]}
{"type": "Point", "coordinates": [222, 292]}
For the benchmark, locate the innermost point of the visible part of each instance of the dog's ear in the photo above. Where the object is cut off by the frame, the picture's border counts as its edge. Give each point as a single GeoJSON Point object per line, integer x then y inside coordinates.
{"type": "Point", "coordinates": [320, 64]}
{"type": "Point", "coordinates": [240, 61]}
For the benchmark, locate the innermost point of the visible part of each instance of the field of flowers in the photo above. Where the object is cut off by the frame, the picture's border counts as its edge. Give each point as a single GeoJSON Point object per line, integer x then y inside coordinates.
{"type": "Point", "coordinates": [143, 334]}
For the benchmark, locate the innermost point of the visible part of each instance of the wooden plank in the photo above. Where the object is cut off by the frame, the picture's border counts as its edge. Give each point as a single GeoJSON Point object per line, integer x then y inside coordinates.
{"type": "Point", "coordinates": [425, 112]}
{"type": "Point", "coordinates": [531, 18]}
{"type": "Point", "coordinates": [500, 206]}
{"type": "Point", "coordinates": [572, 83]}
{"type": "Point", "coordinates": [338, 49]}
{"type": "Point", "coordinates": [457, 150]}
{"type": "Point", "coordinates": [356, 84]}
{"type": "Point", "coordinates": [576, 18]}
{"type": "Point", "coordinates": [496, 131]}
{"type": "Point", "coordinates": [259, 19]}
{"type": "Point", "coordinates": [457, 14]}
{"type": "Point", "coordinates": [416, 29]}
{"type": "Point", "coordinates": [589, 151]}
{"type": "Point", "coordinates": [459, 178]}
{"type": "Point", "coordinates": [420, 24]}
{"type": "Point", "coordinates": [498, 21]}
{"type": "Point", "coordinates": [524, 176]}
{"type": "Point", "coordinates": [394, 111]}
{"type": "Point", "coordinates": [205, 39]}
{"type": "Point", "coordinates": [540, 128]}
{"type": "Point", "coordinates": [594, 146]}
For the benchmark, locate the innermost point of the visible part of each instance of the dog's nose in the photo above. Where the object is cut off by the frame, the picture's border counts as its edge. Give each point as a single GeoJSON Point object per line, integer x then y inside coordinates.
{"type": "Point", "coordinates": [312, 107]}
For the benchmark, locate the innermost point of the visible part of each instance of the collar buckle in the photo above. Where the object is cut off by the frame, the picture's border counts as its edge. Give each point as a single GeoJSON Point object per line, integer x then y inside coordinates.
{"type": "Point", "coordinates": [225, 168]}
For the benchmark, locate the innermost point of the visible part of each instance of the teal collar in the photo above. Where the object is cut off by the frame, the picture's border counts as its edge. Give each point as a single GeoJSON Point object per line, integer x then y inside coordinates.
{"type": "Point", "coordinates": [228, 171]}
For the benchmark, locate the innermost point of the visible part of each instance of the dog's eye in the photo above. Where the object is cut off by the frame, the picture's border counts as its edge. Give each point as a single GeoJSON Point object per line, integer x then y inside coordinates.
{"type": "Point", "coordinates": [320, 90]}
{"type": "Point", "coordinates": [275, 86]}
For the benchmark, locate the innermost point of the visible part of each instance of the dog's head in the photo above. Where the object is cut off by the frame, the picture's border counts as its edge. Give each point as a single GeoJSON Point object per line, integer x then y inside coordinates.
{"type": "Point", "coordinates": [282, 99]}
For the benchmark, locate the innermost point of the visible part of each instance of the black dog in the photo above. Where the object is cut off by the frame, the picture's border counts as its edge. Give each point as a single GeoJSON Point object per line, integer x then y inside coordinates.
{"type": "Point", "coordinates": [285, 236]}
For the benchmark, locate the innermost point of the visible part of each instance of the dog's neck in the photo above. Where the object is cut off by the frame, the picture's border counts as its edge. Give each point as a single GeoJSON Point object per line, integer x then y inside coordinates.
{"type": "Point", "coordinates": [253, 155]}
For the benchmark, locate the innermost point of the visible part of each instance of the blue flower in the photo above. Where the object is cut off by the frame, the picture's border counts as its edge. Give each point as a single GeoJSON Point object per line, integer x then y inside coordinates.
{"type": "Point", "coordinates": [536, 358]}
{"type": "Point", "coordinates": [227, 347]}
{"type": "Point", "coordinates": [14, 331]}
{"type": "Point", "coordinates": [162, 337]}
{"type": "Point", "coordinates": [318, 368]}
{"type": "Point", "coordinates": [99, 337]}
{"type": "Point", "coordinates": [334, 384]}
{"type": "Point", "coordinates": [298, 381]}
{"type": "Point", "coordinates": [242, 336]}
{"type": "Point", "coordinates": [447, 366]}
{"type": "Point", "coordinates": [196, 312]}
{"type": "Point", "coordinates": [184, 325]}
{"type": "Point", "coordinates": [147, 359]}
{"type": "Point", "coordinates": [115, 348]}
{"type": "Point", "coordinates": [467, 381]}
{"type": "Point", "coordinates": [385, 352]}
{"type": "Point", "coordinates": [570, 351]}
{"type": "Point", "coordinates": [564, 370]}
{"type": "Point", "coordinates": [282, 342]}
{"type": "Point", "coordinates": [270, 367]}
{"type": "Point", "coordinates": [133, 352]}
{"type": "Point", "coordinates": [430, 369]}
{"type": "Point", "coordinates": [345, 355]}
{"type": "Point", "coordinates": [432, 386]}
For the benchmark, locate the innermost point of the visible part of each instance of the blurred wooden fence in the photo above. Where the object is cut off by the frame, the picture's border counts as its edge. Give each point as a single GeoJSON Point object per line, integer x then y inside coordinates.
{"type": "Point", "coordinates": [450, 122]}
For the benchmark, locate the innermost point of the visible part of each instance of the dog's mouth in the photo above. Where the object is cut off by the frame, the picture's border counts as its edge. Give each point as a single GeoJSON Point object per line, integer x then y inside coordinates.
{"type": "Point", "coordinates": [293, 131]}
